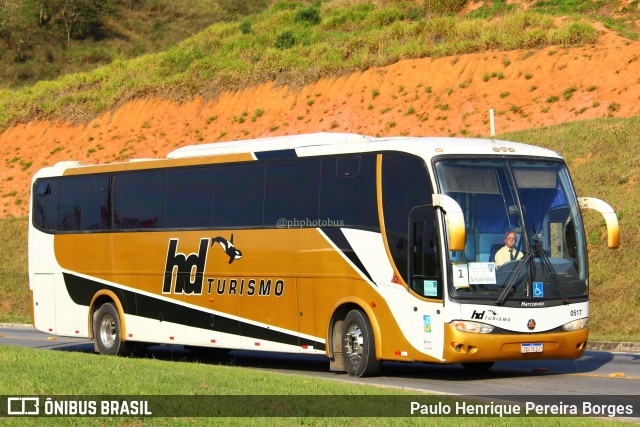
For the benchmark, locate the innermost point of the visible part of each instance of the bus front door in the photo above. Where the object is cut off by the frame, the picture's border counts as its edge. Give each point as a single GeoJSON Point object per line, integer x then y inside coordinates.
{"type": "Point", "coordinates": [425, 282]}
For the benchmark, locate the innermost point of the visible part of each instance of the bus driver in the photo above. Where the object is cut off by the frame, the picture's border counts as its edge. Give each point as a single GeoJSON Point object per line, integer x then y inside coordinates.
{"type": "Point", "coordinates": [508, 252]}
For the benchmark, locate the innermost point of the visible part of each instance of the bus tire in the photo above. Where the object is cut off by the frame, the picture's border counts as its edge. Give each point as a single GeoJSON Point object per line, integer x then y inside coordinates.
{"type": "Point", "coordinates": [107, 331]}
{"type": "Point", "coordinates": [358, 345]}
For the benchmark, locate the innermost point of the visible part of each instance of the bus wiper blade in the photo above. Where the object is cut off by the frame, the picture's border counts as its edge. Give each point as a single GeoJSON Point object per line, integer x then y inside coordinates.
{"type": "Point", "coordinates": [546, 264]}
{"type": "Point", "coordinates": [512, 278]}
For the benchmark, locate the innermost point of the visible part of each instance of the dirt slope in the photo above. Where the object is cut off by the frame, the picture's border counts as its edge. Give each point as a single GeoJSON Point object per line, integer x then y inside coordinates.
{"type": "Point", "coordinates": [444, 96]}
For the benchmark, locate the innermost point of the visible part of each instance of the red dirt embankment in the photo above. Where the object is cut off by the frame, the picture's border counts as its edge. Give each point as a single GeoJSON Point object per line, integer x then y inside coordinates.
{"type": "Point", "coordinates": [438, 97]}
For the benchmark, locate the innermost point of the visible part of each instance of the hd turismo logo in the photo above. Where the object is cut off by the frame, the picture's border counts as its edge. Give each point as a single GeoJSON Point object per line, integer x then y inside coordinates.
{"type": "Point", "coordinates": [184, 274]}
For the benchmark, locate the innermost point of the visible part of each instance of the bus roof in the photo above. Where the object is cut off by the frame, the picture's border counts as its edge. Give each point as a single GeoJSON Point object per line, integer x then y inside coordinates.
{"type": "Point", "coordinates": [268, 144]}
{"type": "Point", "coordinates": [310, 144]}
{"type": "Point", "coordinates": [314, 144]}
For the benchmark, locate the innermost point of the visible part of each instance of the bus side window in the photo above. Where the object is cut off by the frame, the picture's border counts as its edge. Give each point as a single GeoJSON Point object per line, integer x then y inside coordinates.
{"type": "Point", "coordinates": [44, 205]}
{"type": "Point", "coordinates": [348, 191]}
{"type": "Point", "coordinates": [424, 260]}
{"type": "Point", "coordinates": [95, 203]}
{"type": "Point", "coordinates": [238, 195]}
{"type": "Point", "coordinates": [405, 185]}
{"type": "Point", "coordinates": [189, 197]}
{"type": "Point", "coordinates": [139, 199]}
{"type": "Point", "coordinates": [292, 192]}
{"type": "Point", "coordinates": [70, 204]}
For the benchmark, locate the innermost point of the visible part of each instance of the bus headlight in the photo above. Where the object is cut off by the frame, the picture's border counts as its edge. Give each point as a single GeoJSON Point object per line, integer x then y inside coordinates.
{"type": "Point", "coordinates": [470, 326]}
{"type": "Point", "coordinates": [575, 325]}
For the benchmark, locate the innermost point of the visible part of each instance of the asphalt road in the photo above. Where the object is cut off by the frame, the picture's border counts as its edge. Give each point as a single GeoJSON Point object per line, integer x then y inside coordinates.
{"type": "Point", "coordinates": [597, 373]}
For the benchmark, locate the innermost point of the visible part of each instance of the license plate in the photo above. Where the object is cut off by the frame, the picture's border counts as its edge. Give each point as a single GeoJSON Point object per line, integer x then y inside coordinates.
{"type": "Point", "coordinates": [531, 347]}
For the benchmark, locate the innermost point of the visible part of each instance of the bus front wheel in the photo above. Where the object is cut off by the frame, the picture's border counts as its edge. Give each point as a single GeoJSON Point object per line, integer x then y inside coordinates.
{"type": "Point", "coordinates": [359, 351]}
{"type": "Point", "coordinates": [107, 331]}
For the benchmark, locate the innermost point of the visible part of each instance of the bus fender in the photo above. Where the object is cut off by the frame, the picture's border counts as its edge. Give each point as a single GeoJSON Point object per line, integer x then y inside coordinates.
{"type": "Point", "coordinates": [368, 310]}
{"type": "Point", "coordinates": [113, 297]}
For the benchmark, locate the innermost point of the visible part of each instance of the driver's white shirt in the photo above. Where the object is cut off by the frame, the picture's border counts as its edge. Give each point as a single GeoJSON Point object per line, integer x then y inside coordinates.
{"type": "Point", "coordinates": [503, 256]}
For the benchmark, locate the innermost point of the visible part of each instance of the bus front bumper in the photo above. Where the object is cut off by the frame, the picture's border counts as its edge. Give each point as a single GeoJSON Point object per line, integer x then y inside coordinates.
{"type": "Point", "coordinates": [463, 347]}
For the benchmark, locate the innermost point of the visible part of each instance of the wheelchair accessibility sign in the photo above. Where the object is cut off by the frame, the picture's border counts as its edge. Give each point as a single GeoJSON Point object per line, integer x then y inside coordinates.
{"type": "Point", "coordinates": [538, 289]}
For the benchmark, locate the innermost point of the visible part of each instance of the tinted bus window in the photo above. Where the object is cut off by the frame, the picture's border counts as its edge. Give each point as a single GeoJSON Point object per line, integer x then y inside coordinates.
{"type": "Point", "coordinates": [405, 185]}
{"type": "Point", "coordinates": [292, 191]}
{"type": "Point", "coordinates": [72, 204]}
{"type": "Point", "coordinates": [189, 198]}
{"type": "Point", "coordinates": [348, 191]}
{"type": "Point", "coordinates": [44, 204]}
{"type": "Point", "coordinates": [96, 214]}
{"type": "Point", "coordinates": [238, 196]}
{"type": "Point", "coordinates": [69, 203]}
{"type": "Point", "coordinates": [139, 200]}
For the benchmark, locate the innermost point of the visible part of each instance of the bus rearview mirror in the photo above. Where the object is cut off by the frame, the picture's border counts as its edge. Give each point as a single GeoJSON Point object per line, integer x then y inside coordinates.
{"type": "Point", "coordinates": [610, 217]}
{"type": "Point", "coordinates": [455, 220]}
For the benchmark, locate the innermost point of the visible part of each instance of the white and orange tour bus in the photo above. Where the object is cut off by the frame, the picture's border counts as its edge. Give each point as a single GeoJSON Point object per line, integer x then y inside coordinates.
{"type": "Point", "coordinates": [359, 248]}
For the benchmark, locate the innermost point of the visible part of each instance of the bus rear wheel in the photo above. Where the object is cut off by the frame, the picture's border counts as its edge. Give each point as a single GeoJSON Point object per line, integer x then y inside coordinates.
{"type": "Point", "coordinates": [107, 331]}
{"type": "Point", "coordinates": [359, 351]}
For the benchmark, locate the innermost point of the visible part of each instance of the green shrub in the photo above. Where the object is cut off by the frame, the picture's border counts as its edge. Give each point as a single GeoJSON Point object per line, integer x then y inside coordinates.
{"type": "Point", "coordinates": [285, 40]}
{"type": "Point", "coordinates": [383, 17]}
{"type": "Point", "coordinates": [568, 93]}
{"type": "Point", "coordinates": [308, 15]}
{"type": "Point", "coordinates": [349, 18]}
{"type": "Point", "coordinates": [245, 27]}
{"type": "Point", "coordinates": [574, 33]}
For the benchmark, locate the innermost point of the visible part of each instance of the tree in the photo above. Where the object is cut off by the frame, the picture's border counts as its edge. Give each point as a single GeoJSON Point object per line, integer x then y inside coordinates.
{"type": "Point", "coordinates": [44, 10]}
{"type": "Point", "coordinates": [3, 16]}
{"type": "Point", "coordinates": [13, 22]}
{"type": "Point", "coordinates": [79, 17]}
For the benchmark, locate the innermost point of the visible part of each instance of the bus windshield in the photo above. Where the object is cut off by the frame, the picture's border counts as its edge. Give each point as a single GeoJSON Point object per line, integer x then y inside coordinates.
{"type": "Point", "coordinates": [524, 231]}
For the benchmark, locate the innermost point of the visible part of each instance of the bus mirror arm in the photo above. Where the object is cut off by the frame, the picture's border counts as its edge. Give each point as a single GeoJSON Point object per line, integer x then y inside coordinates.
{"type": "Point", "coordinates": [455, 219]}
{"type": "Point", "coordinates": [613, 229]}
